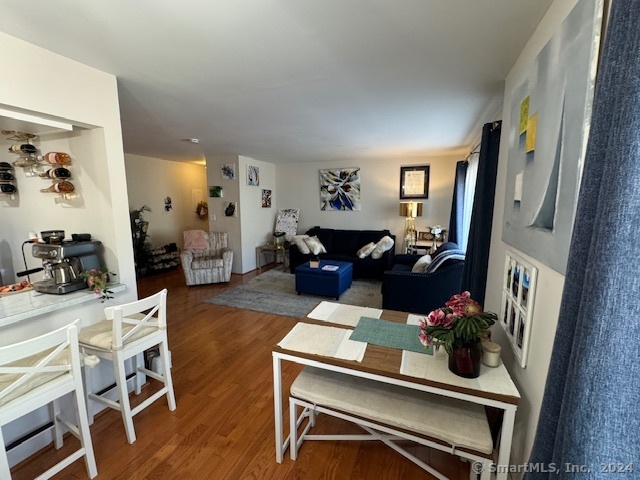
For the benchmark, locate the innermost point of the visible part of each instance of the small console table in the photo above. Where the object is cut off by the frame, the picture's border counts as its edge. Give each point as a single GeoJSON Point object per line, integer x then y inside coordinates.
{"type": "Point", "coordinates": [276, 249]}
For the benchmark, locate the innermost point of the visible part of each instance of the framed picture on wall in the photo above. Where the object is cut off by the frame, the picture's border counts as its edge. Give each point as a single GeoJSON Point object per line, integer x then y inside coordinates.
{"type": "Point", "coordinates": [228, 171]}
{"type": "Point", "coordinates": [266, 198]}
{"type": "Point", "coordinates": [414, 182]}
{"type": "Point", "coordinates": [340, 189]}
{"type": "Point", "coordinates": [518, 296]}
{"type": "Point", "coordinates": [253, 176]}
{"type": "Point", "coordinates": [215, 191]}
{"type": "Point", "coordinates": [230, 210]}
{"type": "Point", "coordinates": [555, 91]}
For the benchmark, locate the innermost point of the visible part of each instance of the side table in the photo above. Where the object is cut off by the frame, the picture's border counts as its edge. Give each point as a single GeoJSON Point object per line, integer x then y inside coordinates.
{"type": "Point", "coordinates": [270, 247]}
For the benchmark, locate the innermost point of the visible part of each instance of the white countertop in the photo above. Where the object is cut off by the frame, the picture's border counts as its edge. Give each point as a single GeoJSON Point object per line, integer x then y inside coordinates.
{"type": "Point", "coordinates": [21, 306]}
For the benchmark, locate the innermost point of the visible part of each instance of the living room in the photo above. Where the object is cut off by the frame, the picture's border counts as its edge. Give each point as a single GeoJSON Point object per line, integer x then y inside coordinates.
{"type": "Point", "coordinates": [195, 440]}
{"type": "Point", "coordinates": [379, 198]}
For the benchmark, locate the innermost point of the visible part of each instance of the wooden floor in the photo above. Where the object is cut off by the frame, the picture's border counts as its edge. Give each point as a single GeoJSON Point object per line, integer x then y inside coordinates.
{"type": "Point", "coordinates": [223, 425]}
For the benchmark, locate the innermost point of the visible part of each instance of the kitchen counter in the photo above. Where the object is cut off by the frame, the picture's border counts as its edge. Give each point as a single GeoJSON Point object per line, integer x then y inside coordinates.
{"type": "Point", "coordinates": [22, 306]}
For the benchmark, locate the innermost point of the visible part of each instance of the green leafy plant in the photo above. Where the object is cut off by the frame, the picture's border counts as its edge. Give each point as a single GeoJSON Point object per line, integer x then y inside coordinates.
{"type": "Point", "coordinates": [141, 248]}
{"type": "Point", "coordinates": [136, 216]}
{"type": "Point", "coordinates": [460, 322]}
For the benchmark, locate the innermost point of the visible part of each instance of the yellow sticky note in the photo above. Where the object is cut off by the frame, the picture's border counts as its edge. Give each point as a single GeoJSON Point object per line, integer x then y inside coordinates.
{"type": "Point", "coordinates": [524, 115]}
{"type": "Point", "coordinates": [532, 130]}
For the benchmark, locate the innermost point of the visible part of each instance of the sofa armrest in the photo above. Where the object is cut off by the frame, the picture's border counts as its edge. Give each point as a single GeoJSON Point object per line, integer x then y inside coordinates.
{"type": "Point", "coordinates": [420, 292]}
{"type": "Point", "coordinates": [391, 255]}
{"type": "Point", "coordinates": [407, 259]}
{"type": "Point", "coordinates": [186, 257]}
{"type": "Point", "coordinates": [227, 260]}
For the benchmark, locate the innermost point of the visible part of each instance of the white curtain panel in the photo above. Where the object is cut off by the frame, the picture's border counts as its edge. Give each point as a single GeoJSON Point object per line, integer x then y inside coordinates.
{"type": "Point", "coordinates": [469, 192]}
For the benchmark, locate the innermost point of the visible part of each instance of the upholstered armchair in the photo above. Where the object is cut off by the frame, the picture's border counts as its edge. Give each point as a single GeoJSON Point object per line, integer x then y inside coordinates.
{"type": "Point", "coordinates": [206, 257]}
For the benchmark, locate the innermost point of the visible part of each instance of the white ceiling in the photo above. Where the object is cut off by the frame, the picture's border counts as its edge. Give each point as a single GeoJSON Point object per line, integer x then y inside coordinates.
{"type": "Point", "coordinates": [290, 80]}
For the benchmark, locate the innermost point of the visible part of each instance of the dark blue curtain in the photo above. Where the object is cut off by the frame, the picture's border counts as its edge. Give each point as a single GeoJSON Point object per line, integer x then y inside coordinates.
{"type": "Point", "coordinates": [474, 277]}
{"type": "Point", "coordinates": [457, 205]}
{"type": "Point", "coordinates": [590, 410]}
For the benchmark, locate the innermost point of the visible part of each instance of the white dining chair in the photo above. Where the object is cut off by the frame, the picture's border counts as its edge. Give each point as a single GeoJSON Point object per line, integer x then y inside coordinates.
{"type": "Point", "coordinates": [35, 373]}
{"type": "Point", "coordinates": [128, 331]}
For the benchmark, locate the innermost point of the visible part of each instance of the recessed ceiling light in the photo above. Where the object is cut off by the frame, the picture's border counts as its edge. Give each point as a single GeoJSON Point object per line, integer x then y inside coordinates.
{"type": "Point", "coordinates": [192, 140]}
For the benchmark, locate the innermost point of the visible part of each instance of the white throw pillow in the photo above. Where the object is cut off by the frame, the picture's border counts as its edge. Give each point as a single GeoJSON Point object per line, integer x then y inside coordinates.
{"type": "Point", "coordinates": [421, 265]}
{"type": "Point", "coordinates": [299, 241]}
{"type": "Point", "coordinates": [315, 245]}
{"type": "Point", "coordinates": [383, 245]}
{"type": "Point", "coordinates": [365, 251]}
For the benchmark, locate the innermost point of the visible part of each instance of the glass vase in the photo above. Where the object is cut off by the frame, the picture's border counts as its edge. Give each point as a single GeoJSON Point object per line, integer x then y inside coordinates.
{"type": "Point", "coordinates": [464, 361]}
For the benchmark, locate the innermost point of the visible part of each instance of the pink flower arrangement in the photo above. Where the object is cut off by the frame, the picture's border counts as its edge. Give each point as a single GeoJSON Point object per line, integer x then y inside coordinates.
{"type": "Point", "coordinates": [97, 280]}
{"type": "Point", "coordinates": [461, 321]}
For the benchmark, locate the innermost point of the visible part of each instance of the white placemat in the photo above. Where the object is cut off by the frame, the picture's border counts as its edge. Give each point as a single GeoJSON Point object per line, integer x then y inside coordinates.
{"type": "Point", "coordinates": [436, 367]}
{"type": "Point", "coordinates": [341, 314]}
{"type": "Point", "coordinates": [323, 340]}
{"type": "Point", "coordinates": [414, 319]}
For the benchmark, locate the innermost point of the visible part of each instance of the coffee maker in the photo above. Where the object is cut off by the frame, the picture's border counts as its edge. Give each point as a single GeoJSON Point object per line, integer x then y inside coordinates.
{"type": "Point", "coordinates": [64, 263]}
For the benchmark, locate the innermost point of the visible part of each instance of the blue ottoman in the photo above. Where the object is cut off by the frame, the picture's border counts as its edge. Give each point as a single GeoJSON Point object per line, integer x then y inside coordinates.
{"type": "Point", "coordinates": [317, 281]}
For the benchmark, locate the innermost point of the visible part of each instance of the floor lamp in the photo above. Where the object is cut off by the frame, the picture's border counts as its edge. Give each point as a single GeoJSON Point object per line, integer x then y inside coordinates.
{"type": "Point", "coordinates": [410, 210]}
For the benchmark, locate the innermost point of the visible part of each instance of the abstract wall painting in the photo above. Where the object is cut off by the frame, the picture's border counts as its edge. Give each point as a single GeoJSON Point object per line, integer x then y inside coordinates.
{"type": "Point", "coordinates": [215, 191]}
{"type": "Point", "coordinates": [230, 210]}
{"type": "Point", "coordinates": [524, 115]}
{"type": "Point", "coordinates": [550, 110]}
{"type": "Point", "coordinates": [266, 198]}
{"type": "Point", "coordinates": [287, 222]}
{"type": "Point", "coordinates": [253, 175]}
{"type": "Point", "coordinates": [340, 189]}
{"type": "Point", "coordinates": [228, 171]}
{"type": "Point", "coordinates": [532, 131]}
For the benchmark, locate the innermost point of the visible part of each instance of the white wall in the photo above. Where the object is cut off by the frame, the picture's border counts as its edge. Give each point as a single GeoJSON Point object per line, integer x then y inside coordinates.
{"type": "Point", "coordinates": [299, 187]}
{"type": "Point", "coordinates": [252, 225]}
{"type": "Point", "coordinates": [218, 222]}
{"type": "Point", "coordinates": [531, 380]}
{"type": "Point", "coordinates": [86, 97]}
{"type": "Point", "coordinates": [257, 223]}
{"type": "Point", "coordinates": [150, 180]}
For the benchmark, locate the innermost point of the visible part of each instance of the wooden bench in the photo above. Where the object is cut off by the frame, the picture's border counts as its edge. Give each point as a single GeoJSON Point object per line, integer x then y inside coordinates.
{"type": "Point", "coordinates": [390, 413]}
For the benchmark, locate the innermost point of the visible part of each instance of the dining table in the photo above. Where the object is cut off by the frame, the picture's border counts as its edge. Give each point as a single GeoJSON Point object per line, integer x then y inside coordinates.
{"type": "Point", "coordinates": [322, 340]}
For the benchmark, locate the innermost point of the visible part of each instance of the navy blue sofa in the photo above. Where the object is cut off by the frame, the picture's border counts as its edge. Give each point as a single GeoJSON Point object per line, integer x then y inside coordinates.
{"type": "Point", "coordinates": [421, 292]}
{"type": "Point", "coordinates": [342, 245]}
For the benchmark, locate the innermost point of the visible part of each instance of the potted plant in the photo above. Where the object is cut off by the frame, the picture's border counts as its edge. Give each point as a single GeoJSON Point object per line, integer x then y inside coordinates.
{"type": "Point", "coordinates": [97, 280]}
{"type": "Point", "coordinates": [141, 248]}
{"type": "Point", "coordinates": [459, 326]}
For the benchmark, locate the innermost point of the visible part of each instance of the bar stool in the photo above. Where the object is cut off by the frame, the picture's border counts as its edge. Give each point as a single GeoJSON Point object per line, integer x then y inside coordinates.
{"type": "Point", "coordinates": [126, 333]}
{"type": "Point", "coordinates": [37, 372]}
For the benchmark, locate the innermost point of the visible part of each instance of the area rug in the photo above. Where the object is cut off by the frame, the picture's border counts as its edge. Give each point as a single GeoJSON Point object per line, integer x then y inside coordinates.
{"type": "Point", "coordinates": [274, 292]}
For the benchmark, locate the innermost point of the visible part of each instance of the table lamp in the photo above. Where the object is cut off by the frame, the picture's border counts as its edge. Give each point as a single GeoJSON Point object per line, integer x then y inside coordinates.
{"type": "Point", "coordinates": [410, 210]}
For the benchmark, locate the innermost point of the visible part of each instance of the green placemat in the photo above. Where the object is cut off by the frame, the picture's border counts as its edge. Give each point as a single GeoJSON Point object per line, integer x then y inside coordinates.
{"type": "Point", "coordinates": [389, 334]}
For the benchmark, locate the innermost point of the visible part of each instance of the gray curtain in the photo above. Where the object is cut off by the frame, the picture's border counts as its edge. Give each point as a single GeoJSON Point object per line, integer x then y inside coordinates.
{"type": "Point", "coordinates": [474, 276]}
{"type": "Point", "coordinates": [590, 409]}
{"type": "Point", "coordinates": [457, 205]}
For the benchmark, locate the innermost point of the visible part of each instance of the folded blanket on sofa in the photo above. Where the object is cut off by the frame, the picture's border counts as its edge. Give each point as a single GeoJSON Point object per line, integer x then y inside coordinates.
{"type": "Point", "coordinates": [442, 257]}
{"type": "Point", "coordinates": [195, 240]}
